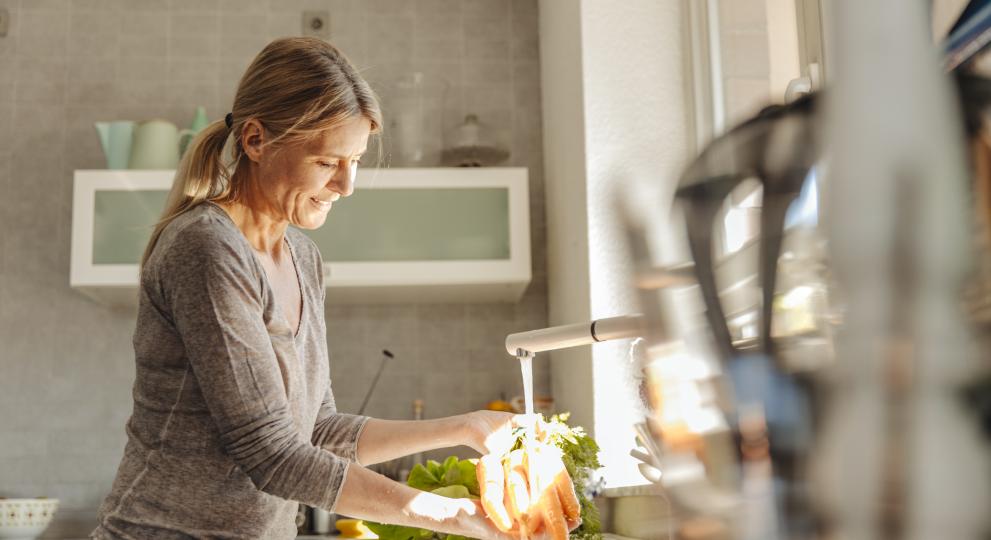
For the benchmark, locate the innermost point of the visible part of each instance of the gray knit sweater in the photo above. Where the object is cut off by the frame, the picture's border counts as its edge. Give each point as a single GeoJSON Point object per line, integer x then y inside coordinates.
{"type": "Point", "coordinates": [234, 420]}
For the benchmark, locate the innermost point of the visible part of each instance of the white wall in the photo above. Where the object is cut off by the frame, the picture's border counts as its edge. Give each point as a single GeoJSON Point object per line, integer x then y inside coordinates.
{"type": "Point", "coordinates": [633, 115]}
{"type": "Point", "coordinates": [567, 223]}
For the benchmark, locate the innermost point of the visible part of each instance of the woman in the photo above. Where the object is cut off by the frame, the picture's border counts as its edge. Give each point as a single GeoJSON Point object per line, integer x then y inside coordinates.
{"type": "Point", "coordinates": [234, 420]}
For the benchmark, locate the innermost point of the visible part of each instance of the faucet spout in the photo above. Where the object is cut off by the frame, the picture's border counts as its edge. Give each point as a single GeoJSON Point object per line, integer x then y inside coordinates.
{"type": "Point", "coordinates": [573, 335]}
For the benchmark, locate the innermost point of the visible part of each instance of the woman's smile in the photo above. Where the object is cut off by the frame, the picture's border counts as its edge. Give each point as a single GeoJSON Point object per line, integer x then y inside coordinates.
{"type": "Point", "coordinates": [324, 203]}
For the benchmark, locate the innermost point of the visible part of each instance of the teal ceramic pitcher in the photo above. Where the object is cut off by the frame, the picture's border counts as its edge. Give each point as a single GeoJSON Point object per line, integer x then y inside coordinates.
{"type": "Point", "coordinates": [116, 137]}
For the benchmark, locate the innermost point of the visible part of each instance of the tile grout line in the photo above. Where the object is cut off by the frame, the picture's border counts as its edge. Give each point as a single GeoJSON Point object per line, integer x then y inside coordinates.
{"type": "Point", "coordinates": [513, 113]}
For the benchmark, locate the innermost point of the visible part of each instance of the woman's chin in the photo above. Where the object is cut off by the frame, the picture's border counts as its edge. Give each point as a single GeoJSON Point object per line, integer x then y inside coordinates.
{"type": "Point", "coordinates": [311, 221]}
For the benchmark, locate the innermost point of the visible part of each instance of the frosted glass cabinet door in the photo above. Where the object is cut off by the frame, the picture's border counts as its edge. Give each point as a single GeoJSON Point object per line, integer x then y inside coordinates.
{"type": "Point", "coordinates": [122, 223]}
{"type": "Point", "coordinates": [401, 231]}
{"type": "Point", "coordinates": [441, 224]}
{"type": "Point", "coordinates": [428, 224]}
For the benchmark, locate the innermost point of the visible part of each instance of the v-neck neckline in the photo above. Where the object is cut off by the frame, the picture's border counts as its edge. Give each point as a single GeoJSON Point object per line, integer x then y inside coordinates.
{"type": "Point", "coordinates": [268, 282]}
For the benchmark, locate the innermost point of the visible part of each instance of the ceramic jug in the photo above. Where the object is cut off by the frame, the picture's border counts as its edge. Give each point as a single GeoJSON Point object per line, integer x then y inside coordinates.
{"type": "Point", "coordinates": [200, 121]}
{"type": "Point", "coordinates": [115, 137]}
{"type": "Point", "coordinates": [156, 145]}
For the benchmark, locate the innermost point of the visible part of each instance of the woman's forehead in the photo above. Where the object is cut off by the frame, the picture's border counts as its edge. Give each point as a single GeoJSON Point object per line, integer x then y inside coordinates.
{"type": "Point", "coordinates": [344, 140]}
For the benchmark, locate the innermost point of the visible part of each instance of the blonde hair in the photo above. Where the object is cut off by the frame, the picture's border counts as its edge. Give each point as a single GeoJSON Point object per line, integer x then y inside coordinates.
{"type": "Point", "coordinates": [296, 88]}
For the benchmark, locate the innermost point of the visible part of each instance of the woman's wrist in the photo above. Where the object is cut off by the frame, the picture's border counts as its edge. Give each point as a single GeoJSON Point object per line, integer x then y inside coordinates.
{"type": "Point", "coordinates": [471, 431]}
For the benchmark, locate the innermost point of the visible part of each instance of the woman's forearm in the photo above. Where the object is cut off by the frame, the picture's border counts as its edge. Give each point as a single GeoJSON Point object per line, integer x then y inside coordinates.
{"type": "Point", "coordinates": [382, 440]}
{"type": "Point", "coordinates": [369, 495]}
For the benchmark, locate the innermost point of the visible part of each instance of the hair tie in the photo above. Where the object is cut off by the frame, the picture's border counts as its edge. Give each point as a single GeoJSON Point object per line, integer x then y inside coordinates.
{"type": "Point", "coordinates": [229, 120]}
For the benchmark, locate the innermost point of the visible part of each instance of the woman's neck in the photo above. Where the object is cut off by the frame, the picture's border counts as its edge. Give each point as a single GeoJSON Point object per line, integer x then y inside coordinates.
{"type": "Point", "coordinates": [264, 233]}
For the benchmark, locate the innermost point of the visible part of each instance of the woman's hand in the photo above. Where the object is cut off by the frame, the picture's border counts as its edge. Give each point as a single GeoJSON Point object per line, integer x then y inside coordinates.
{"type": "Point", "coordinates": [480, 526]}
{"type": "Point", "coordinates": [492, 432]}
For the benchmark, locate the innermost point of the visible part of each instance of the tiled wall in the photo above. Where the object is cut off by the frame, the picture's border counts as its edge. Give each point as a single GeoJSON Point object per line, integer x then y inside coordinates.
{"type": "Point", "coordinates": [66, 363]}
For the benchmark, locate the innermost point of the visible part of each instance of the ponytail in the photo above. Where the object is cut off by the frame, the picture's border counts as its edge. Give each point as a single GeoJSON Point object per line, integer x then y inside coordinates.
{"type": "Point", "coordinates": [204, 174]}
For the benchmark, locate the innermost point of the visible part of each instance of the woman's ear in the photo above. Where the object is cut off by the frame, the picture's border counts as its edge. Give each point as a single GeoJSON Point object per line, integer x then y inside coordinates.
{"type": "Point", "coordinates": [253, 139]}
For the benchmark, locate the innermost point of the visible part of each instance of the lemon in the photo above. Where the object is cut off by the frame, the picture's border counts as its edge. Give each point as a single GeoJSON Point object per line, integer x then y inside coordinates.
{"type": "Point", "coordinates": [354, 528]}
{"type": "Point", "coordinates": [499, 405]}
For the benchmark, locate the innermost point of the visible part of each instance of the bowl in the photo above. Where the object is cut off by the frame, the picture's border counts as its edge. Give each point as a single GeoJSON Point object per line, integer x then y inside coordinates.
{"type": "Point", "coordinates": [25, 519]}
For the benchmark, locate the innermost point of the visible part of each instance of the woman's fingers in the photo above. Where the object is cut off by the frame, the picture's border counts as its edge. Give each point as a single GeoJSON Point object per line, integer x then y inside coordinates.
{"type": "Point", "coordinates": [482, 527]}
{"type": "Point", "coordinates": [492, 487]}
{"type": "Point", "coordinates": [517, 492]}
{"type": "Point", "coordinates": [492, 431]}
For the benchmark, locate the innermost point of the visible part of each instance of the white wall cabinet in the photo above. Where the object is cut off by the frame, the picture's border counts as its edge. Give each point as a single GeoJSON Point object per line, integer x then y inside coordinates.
{"type": "Point", "coordinates": [405, 235]}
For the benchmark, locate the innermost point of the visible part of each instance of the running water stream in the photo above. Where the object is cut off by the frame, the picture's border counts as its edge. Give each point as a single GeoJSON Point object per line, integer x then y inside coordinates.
{"type": "Point", "coordinates": [526, 368]}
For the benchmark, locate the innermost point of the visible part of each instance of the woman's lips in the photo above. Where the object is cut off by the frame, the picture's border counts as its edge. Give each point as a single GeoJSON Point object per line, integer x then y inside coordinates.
{"type": "Point", "coordinates": [321, 203]}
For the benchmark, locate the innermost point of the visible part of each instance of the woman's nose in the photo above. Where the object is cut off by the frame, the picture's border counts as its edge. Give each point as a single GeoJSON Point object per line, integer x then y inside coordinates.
{"type": "Point", "coordinates": [343, 181]}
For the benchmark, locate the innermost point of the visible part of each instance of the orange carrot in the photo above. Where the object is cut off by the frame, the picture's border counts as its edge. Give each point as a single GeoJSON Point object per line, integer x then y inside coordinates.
{"type": "Point", "coordinates": [566, 493]}
{"type": "Point", "coordinates": [557, 527]}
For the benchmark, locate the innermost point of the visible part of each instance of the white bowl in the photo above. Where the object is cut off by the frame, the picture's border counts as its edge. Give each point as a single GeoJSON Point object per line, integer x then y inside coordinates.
{"type": "Point", "coordinates": [25, 519]}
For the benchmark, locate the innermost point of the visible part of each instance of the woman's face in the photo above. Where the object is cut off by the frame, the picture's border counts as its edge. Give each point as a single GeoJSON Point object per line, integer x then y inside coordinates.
{"type": "Point", "coordinates": [299, 183]}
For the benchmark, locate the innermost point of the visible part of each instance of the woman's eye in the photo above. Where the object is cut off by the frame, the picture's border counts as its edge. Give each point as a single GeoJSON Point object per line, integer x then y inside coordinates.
{"type": "Point", "coordinates": [328, 165]}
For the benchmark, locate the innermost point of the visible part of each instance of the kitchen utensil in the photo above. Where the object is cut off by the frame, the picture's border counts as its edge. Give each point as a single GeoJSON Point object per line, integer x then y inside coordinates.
{"type": "Point", "coordinates": [386, 355]}
{"type": "Point", "coordinates": [322, 520]}
{"type": "Point", "coordinates": [116, 138]}
{"type": "Point", "coordinates": [156, 145]}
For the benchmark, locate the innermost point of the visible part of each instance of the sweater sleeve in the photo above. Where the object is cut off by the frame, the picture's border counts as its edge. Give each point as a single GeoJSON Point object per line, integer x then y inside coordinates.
{"type": "Point", "coordinates": [337, 432]}
{"type": "Point", "coordinates": [216, 302]}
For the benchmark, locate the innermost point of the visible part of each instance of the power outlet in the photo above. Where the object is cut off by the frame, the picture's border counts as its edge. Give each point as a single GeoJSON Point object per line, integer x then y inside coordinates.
{"type": "Point", "coordinates": [316, 24]}
{"type": "Point", "coordinates": [4, 21]}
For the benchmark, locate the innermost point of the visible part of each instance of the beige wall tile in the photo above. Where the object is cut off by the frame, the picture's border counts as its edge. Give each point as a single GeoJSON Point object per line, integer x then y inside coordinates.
{"type": "Point", "coordinates": [241, 23]}
{"type": "Point", "coordinates": [94, 33]}
{"type": "Point", "coordinates": [195, 5]}
{"type": "Point", "coordinates": [389, 39]}
{"type": "Point", "coordinates": [488, 50]}
{"type": "Point", "coordinates": [483, 28]}
{"type": "Point", "coordinates": [144, 45]}
{"type": "Point", "coordinates": [144, 23]}
{"type": "Point", "coordinates": [480, 72]}
{"type": "Point", "coordinates": [198, 46]}
{"type": "Point", "coordinates": [244, 6]}
{"type": "Point", "coordinates": [184, 23]}
{"type": "Point", "coordinates": [283, 24]}
{"type": "Point", "coordinates": [497, 10]}
{"type": "Point", "coordinates": [439, 6]}
{"type": "Point", "coordinates": [45, 5]}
